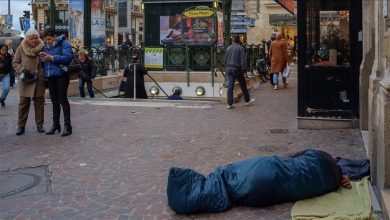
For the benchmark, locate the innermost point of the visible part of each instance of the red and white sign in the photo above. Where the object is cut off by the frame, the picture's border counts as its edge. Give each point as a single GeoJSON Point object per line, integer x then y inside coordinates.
{"type": "Point", "coordinates": [289, 5]}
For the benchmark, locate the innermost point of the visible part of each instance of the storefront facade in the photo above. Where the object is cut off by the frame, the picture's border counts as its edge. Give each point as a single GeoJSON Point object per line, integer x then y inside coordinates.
{"type": "Point", "coordinates": [330, 53]}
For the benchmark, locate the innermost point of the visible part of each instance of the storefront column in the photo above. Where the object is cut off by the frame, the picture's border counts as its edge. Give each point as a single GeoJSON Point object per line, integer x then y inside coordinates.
{"type": "Point", "coordinates": [376, 151]}
{"type": "Point", "coordinates": [367, 62]}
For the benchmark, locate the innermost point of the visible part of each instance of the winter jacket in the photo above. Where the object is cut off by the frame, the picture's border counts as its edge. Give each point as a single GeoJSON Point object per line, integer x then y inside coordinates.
{"type": "Point", "coordinates": [235, 57]}
{"type": "Point", "coordinates": [5, 65]}
{"type": "Point", "coordinates": [27, 58]}
{"type": "Point", "coordinates": [85, 71]}
{"type": "Point", "coordinates": [62, 55]}
{"type": "Point", "coordinates": [278, 56]}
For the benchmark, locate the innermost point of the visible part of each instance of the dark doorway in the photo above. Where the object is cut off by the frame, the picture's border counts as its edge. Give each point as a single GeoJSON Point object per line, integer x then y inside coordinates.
{"type": "Point", "coordinates": [330, 53]}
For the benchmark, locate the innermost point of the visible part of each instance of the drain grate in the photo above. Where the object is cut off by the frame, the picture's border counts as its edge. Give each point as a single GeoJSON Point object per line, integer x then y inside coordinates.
{"type": "Point", "coordinates": [24, 182]}
{"type": "Point", "coordinates": [279, 131]}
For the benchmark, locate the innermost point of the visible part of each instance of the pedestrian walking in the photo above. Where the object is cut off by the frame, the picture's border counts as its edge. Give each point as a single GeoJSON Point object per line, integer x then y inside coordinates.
{"type": "Point", "coordinates": [57, 55]}
{"type": "Point", "coordinates": [279, 57]}
{"type": "Point", "coordinates": [5, 72]}
{"type": "Point", "coordinates": [140, 71]}
{"type": "Point", "coordinates": [85, 68]}
{"type": "Point", "coordinates": [26, 62]}
{"type": "Point", "coordinates": [11, 52]}
{"type": "Point", "coordinates": [272, 38]}
{"type": "Point", "coordinates": [235, 60]}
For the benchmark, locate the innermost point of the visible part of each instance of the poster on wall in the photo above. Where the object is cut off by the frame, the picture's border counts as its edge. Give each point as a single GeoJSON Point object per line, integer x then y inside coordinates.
{"type": "Point", "coordinates": [220, 29]}
{"type": "Point", "coordinates": [76, 22]}
{"type": "Point", "coordinates": [98, 25]}
{"type": "Point", "coordinates": [199, 27]}
{"type": "Point", "coordinates": [170, 29]}
{"type": "Point", "coordinates": [154, 57]}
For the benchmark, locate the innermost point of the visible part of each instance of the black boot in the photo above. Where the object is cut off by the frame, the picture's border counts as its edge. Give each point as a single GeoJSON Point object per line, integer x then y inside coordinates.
{"type": "Point", "coordinates": [54, 128]}
{"type": "Point", "coordinates": [20, 131]}
{"type": "Point", "coordinates": [2, 102]}
{"type": "Point", "coordinates": [67, 130]}
{"type": "Point", "coordinates": [40, 129]}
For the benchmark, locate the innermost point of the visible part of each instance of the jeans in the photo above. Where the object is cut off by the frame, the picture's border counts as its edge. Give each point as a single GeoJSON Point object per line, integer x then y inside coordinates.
{"type": "Point", "coordinates": [5, 83]}
{"type": "Point", "coordinates": [276, 78]}
{"type": "Point", "coordinates": [12, 79]}
{"type": "Point", "coordinates": [232, 75]}
{"type": "Point", "coordinates": [58, 89]}
{"type": "Point", "coordinates": [89, 87]}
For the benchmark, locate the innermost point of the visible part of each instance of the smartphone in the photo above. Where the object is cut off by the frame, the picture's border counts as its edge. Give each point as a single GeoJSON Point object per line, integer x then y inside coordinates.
{"type": "Point", "coordinates": [42, 53]}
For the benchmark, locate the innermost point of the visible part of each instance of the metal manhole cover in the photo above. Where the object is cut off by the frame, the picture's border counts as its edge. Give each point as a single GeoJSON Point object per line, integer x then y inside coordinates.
{"type": "Point", "coordinates": [24, 181]}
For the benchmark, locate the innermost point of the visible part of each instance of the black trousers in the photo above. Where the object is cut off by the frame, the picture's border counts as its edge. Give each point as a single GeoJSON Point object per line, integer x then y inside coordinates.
{"type": "Point", "coordinates": [58, 88]}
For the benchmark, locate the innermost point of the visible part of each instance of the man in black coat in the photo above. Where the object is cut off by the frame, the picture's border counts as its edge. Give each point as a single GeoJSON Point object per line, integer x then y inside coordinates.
{"type": "Point", "coordinates": [140, 71]}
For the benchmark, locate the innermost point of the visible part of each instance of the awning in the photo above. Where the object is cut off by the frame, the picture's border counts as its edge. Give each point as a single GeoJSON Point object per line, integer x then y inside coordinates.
{"type": "Point", "coordinates": [289, 5]}
{"type": "Point", "coordinates": [176, 1]}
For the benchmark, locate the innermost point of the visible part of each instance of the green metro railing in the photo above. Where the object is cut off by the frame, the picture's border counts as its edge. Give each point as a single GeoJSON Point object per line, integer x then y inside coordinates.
{"type": "Point", "coordinates": [188, 58]}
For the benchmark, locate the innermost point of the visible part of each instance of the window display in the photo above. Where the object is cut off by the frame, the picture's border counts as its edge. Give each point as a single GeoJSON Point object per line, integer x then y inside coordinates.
{"type": "Point", "coordinates": [328, 38]}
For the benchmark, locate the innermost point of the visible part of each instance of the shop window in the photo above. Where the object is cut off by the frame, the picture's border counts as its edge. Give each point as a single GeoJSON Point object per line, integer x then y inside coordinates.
{"type": "Point", "coordinates": [328, 36]}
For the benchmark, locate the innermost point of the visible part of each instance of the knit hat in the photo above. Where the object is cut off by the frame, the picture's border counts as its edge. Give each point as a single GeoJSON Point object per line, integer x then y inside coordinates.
{"type": "Point", "coordinates": [31, 32]}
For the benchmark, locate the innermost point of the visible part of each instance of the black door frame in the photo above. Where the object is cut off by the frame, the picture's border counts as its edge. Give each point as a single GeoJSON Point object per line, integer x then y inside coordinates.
{"type": "Point", "coordinates": [355, 10]}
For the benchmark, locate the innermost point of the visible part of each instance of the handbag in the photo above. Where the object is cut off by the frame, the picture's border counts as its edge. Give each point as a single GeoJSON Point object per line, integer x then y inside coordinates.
{"type": "Point", "coordinates": [28, 77]}
{"type": "Point", "coordinates": [122, 86]}
{"type": "Point", "coordinates": [64, 70]}
{"type": "Point", "coordinates": [286, 72]}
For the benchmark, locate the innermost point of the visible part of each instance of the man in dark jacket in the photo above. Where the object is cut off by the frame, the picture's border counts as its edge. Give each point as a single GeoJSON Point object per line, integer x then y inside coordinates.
{"type": "Point", "coordinates": [235, 60]}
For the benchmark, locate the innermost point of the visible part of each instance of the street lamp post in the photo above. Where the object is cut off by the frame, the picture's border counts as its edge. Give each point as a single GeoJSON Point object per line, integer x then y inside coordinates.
{"type": "Point", "coordinates": [52, 12]}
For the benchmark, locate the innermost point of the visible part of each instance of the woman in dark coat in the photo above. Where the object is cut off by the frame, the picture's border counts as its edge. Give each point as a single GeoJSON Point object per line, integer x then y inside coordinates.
{"type": "Point", "coordinates": [139, 76]}
{"type": "Point", "coordinates": [86, 72]}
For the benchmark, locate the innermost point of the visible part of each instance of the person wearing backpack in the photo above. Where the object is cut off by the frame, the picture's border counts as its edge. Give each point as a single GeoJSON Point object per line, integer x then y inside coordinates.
{"type": "Point", "coordinates": [85, 68]}
{"type": "Point", "coordinates": [56, 57]}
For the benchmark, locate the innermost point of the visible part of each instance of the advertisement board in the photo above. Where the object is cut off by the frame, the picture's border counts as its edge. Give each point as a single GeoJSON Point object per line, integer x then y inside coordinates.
{"type": "Point", "coordinates": [98, 23]}
{"type": "Point", "coordinates": [170, 29]}
{"type": "Point", "coordinates": [198, 26]}
{"type": "Point", "coordinates": [76, 22]}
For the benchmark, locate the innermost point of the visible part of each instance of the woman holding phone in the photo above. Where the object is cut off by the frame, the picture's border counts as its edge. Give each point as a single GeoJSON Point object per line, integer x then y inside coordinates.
{"type": "Point", "coordinates": [57, 53]}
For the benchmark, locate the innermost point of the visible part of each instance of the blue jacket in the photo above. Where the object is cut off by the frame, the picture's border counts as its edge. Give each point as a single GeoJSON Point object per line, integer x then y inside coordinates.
{"type": "Point", "coordinates": [62, 55]}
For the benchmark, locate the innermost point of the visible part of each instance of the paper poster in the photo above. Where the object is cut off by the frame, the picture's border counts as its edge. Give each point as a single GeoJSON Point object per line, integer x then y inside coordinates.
{"type": "Point", "coordinates": [154, 57]}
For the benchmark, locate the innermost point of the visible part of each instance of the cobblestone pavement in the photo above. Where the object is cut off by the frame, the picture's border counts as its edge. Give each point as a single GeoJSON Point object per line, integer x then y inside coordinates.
{"type": "Point", "coordinates": [115, 164]}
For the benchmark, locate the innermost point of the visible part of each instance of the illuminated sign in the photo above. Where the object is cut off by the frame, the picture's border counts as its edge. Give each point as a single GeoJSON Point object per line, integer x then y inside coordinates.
{"type": "Point", "coordinates": [289, 5]}
{"type": "Point", "coordinates": [198, 13]}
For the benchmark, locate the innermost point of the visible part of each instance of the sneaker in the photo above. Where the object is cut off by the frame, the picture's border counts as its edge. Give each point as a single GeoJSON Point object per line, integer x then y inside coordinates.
{"type": "Point", "coordinates": [250, 102]}
{"type": "Point", "coordinates": [276, 87]}
{"type": "Point", "coordinates": [229, 107]}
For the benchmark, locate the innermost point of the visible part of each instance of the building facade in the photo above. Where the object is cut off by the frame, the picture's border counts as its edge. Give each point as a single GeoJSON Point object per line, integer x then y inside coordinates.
{"type": "Point", "coordinates": [375, 94]}
{"type": "Point", "coordinates": [41, 11]}
{"type": "Point", "coordinates": [269, 17]}
{"type": "Point", "coordinates": [130, 21]}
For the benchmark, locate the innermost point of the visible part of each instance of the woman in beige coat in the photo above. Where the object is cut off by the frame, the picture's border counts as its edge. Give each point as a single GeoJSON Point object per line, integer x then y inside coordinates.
{"type": "Point", "coordinates": [27, 59]}
{"type": "Point", "coordinates": [279, 57]}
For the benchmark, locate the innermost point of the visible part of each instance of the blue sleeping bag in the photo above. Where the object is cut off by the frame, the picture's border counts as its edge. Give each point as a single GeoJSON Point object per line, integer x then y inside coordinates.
{"type": "Point", "coordinates": [260, 181]}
